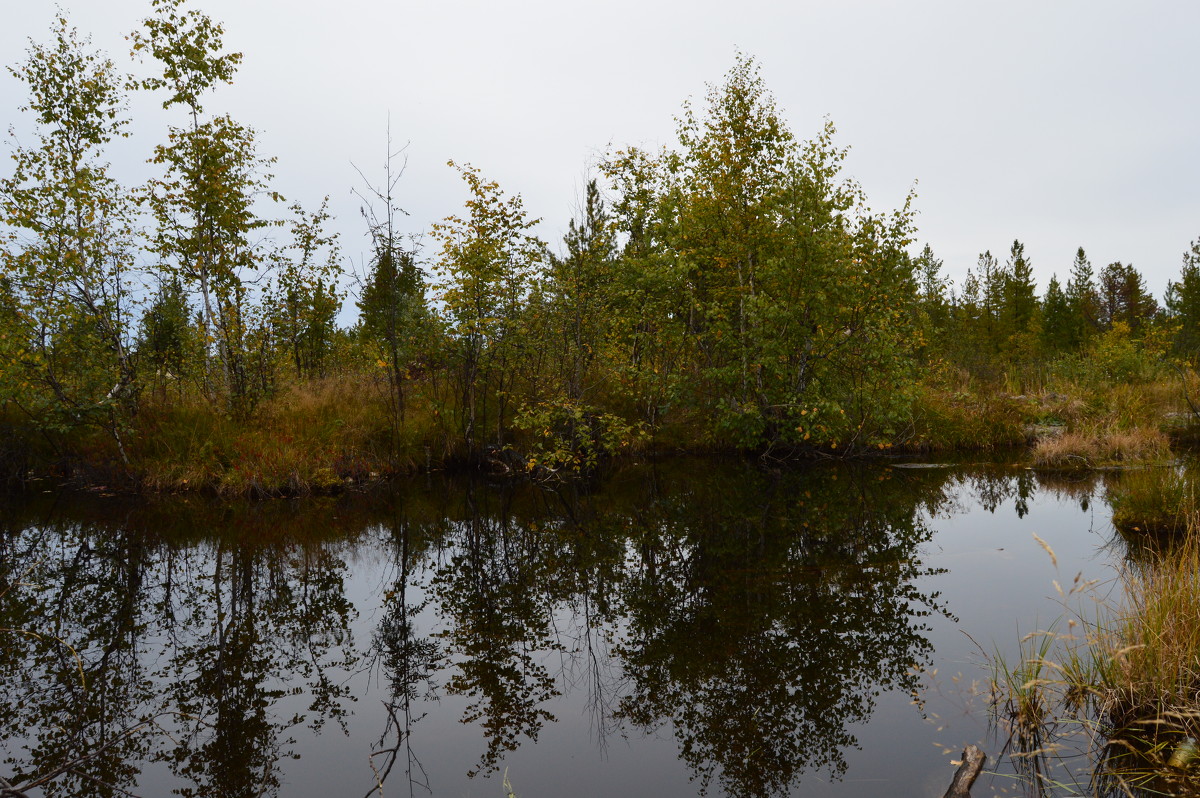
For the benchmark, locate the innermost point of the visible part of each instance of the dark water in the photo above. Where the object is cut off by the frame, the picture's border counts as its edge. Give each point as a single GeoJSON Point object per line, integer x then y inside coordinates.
{"type": "Point", "coordinates": [682, 628]}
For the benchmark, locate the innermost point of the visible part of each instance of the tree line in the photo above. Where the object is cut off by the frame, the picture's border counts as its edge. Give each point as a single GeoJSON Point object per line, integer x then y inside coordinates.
{"type": "Point", "coordinates": [735, 286]}
{"type": "Point", "coordinates": [995, 320]}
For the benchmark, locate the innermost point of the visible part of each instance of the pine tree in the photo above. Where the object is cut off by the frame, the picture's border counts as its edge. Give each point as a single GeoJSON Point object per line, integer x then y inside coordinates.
{"type": "Point", "coordinates": [393, 317]}
{"type": "Point", "coordinates": [579, 287]}
{"type": "Point", "coordinates": [1124, 298]}
{"type": "Point", "coordinates": [992, 278]}
{"type": "Point", "coordinates": [1020, 292]}
{"type": "Point", "coordinates": [167, 341]}
{"type": "Point", "coordinates": [932, 287]}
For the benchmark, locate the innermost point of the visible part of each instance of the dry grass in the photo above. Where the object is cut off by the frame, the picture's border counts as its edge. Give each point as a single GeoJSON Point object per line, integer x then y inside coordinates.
{"type": "Point", "coordinates": [1125, 684]}
{"type": "Point", "coordinates": [317, 437]}
{"type": "Point", "coordinates": [1156, 643]}
{"type": "Point", "coordinates": [1100, 448]}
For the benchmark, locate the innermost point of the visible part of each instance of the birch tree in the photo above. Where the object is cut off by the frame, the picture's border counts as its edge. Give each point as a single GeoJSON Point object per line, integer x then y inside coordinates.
{"type": "Point", "coordinates": [69, 265]}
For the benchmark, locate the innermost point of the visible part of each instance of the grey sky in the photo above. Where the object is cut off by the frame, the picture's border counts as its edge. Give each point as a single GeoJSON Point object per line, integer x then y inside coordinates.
{"type": "Point", "coordinates": [1058, 123]}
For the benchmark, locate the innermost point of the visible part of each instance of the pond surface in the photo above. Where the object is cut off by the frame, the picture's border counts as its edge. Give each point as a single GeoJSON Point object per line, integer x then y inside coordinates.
{"type": "Point", "coordinates": [681, 628]}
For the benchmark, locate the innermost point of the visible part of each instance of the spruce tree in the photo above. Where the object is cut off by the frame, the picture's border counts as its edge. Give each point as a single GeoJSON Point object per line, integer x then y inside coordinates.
{"type": "Point", "coordinates": [1057, 319]}
{"type": "Point", "coordinates": [1183, 303]}
{"type": "Point", "coordinates": [1084, 301]}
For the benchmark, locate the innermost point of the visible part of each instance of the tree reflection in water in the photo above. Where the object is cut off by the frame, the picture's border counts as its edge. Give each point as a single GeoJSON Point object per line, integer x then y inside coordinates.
{"type": "Point", "coordinates": [757, 615]}
{"type": "Point", "coordinates": [204, 637]}
{"type": "Point", "coordinates": [408, 660]}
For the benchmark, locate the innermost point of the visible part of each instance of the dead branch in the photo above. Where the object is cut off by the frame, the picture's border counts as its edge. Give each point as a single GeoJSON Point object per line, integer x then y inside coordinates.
{"type": "Point", "coordinates": [972, 762]}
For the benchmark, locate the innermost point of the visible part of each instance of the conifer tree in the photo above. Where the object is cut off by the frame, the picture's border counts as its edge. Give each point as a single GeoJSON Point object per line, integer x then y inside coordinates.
{"type": "Point", "coordinates": [1057, 318]}
{"type": "Point", "coordinates": [932, 287]}
{"type": "Point", "coordinates": [580, 285]}
{"type": "Point", "coordinates": [1183, 303]}
{"type": "Point", "coordinates": [992, 279]}
{"type": "Point", "coordinates": [393, 316]}
{"type": "Point", "coordinates": [1124, 298]}
{"type": "Point", "coordinates": [168, 343]}
{"type": "Point", "coordinates": [1084, 301]}
{"type": "Point", "coordinates": [1020, 292]}
{"type": "Point", "coordinates": [1019, 314]}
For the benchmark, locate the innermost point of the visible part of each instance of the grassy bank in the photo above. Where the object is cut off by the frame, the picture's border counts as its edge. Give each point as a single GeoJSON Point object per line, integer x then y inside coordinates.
{"type": "Point", "coordinates": [325, 435]}
{"type": "Point", "coordinates": [1071, 421]}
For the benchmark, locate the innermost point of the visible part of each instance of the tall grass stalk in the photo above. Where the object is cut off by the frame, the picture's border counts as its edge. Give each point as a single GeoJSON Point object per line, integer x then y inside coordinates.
{"type": "Point", "coordinates": [1123, 684]}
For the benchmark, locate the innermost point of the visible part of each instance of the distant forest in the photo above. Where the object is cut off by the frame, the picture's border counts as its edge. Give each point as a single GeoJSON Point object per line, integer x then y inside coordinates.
{"type": "Point", "coordinates": [732, 292]}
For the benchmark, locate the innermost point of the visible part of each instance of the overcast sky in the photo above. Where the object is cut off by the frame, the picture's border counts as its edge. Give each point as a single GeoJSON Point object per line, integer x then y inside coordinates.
{"type": "Point", "coordinates": [1063, 124]}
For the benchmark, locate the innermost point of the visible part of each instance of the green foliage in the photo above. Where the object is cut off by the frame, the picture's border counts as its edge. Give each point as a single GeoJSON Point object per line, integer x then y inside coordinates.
{"type": "Point", "coordinates": [792, 296]}
{"type": "Point", "coordinates": [168, 344]}
{"type": "Point", "coordinates": [486, 268]}
{"type": "Point", "coordinates": [305, 299]}
{"type": "Point", "coordinates": [580, 293]}
{"type": "Point", "coordinates": [394, 321]}
{"type": "Point", "coordinates": [1118, 357]}
{"type": "Point", "coordinates": [1058, 325]}
{"type": "Point", "coordinates": [205, 215]}
{"type": "Point", "coordinates": [67, 267]}
{"type": "Point", "coordinates": [1084, 301]}
{"type": "Point", "coordinates": [932, 290]}
{"type": "Point", "coordinates": [734, 290]}
{"type": "Point", "coordinates": [393, 300]}
{"type": "Point", "coordinates": [1124, 298]}
{"type": "Point", "coordinates": [572, 437]}
{"type": "Point", "coordinates": [1019, 293]}
{"type": "Point", "coordinates": [188, 44]}
{"type": "Point", "coordinates": [204, 203]}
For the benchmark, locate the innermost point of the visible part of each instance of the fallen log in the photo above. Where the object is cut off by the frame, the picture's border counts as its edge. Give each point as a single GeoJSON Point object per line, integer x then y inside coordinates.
{"type": "Point", "coordinates": [972, 762]}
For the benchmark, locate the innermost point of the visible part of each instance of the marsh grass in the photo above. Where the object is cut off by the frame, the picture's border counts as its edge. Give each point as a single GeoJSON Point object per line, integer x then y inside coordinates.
{"type": "Point", "coordinates": [1154, 502]}
{"type": "Point", "coordinates": [1122, 685]}
{"type": "Point", "coordinates": [959, 415]}
{"type": "Point", "coordinates": [1156, 670]}
{"type": "Point", "coordinates": [318, 437]}
{"type": "Point", "coordinates": [1100, 448]}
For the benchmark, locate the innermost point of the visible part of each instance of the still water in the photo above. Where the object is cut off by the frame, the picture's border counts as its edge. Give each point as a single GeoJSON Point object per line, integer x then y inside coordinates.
{"type": "Point", "coordinates": [676, 629]}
